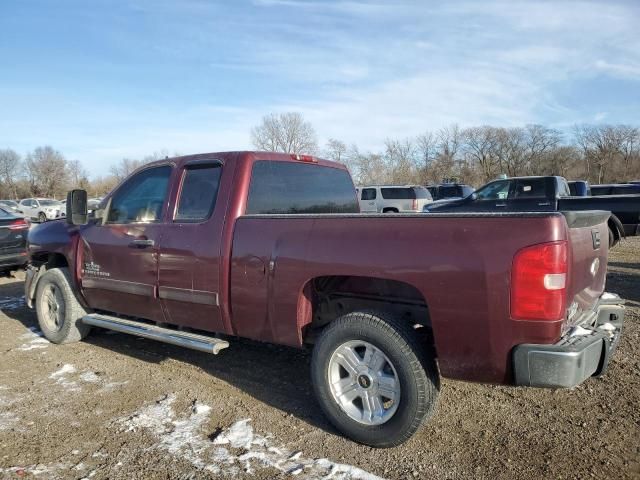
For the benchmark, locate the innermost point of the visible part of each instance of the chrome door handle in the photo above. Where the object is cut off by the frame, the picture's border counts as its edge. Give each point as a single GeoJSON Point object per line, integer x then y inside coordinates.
{"type": "Point", "coordinates": [544, 204]}
{"type": "Point", "coordinates": [501, 204]}
{"type": "Point", "coordinates": [142, 243]}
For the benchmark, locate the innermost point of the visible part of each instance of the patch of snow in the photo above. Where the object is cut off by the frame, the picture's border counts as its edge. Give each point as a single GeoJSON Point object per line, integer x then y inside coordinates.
{"type": "Point", "coordinates": [66, 369]}
{"type": "Point", "coordinates": [579, 331]}
{"type": "Point", "coordinates": [60, 377]}
{"type": "Point", "coordinates": [184, 437]}
{"type": "Point", "coordinates": [8, 420]}
{"type": "Point", "coordinates": [89, 377]}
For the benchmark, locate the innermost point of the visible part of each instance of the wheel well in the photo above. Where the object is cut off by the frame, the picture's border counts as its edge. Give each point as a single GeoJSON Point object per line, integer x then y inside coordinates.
{"type": "Point", "coordinates": [331, 297]}
{"type": "Point", "coordinates": [51, 260]}
{"type": "Point", "coordinates": [390, 209]}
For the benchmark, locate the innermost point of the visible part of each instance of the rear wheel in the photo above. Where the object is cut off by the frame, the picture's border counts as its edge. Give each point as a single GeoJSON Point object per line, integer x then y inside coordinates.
{"type": "Point", "coordinates": [373, 378]}
{"type": "Point", "coordinates": [59, 312]}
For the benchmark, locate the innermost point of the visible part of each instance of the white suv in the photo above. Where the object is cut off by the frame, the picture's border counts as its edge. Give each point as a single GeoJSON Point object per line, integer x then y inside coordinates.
{"type": "Point", "coordinates": [40, 209]}
{"type": "Point", "coordinates": [393, 198]}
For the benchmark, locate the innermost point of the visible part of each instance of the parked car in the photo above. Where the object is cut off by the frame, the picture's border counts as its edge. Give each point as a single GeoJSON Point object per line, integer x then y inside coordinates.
{"type": "Point", "coordinates": [272, 247]}
{"type": "Point", "coordinates": [94, 203]}
{"type": "Point", "coordinates": [10, 205]}
{"type": "Point", "coordinates": [616, 189]}
{"type": "Point", "coordinates": [393, 198]}
{"type": "Point", "coordinates": [13, 240]}
{"type": "Point", "coordinates": [535, 194]}
{"type": "Point", "coordinates": [450, 191]}
{"type": "Point", "coordinates": [579, 188]}
{"type": "Point", "coordinates": [40, 209]}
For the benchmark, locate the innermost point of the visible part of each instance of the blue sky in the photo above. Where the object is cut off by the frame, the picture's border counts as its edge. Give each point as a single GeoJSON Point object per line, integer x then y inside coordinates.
{"type": "Point", "coordinates": [102, 80]}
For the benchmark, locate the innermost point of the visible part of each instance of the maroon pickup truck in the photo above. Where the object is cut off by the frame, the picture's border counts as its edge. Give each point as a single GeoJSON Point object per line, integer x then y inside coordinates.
{"type": "Point", "coordinates": [197, 250]}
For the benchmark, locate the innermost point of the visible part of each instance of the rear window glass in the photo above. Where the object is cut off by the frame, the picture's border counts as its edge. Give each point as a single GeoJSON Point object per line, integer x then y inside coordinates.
{"type": "Point", "coordinates": [290, 187]}
{"type": "Point", "coordinates": [5, 214]}
{"type": "Point", "coordinates": [398, 193]}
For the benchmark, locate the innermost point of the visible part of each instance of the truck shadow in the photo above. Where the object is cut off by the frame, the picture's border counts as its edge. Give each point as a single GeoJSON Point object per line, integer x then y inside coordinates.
{"type": "Point", "coordinates": [624, 283]}
{"type": "Point", "coordinates": [277, 376]}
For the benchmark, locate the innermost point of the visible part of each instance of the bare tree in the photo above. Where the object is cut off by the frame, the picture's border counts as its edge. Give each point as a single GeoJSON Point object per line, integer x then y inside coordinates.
{"type": "Point", "coordinates": [426, 150]}
{"type": "Point", "coordinates": [335, 150]}
{"type": "Point", "coordinates": [401, 162]}
{"type": "Point", "coordinates": [480, 145]}
{"type": "Point", "coordinates": [10, 171]}
{"type": "Point", "coordinates": [285, 132]}
{"type": "Point", "coordinates": [47, 172]}
{"type": "Point", "coordinates": [510, 150]}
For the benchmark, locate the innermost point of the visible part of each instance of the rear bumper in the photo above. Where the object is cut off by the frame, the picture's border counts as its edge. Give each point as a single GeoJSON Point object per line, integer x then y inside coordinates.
{"type": "Point", "coordinates": [582, 353]}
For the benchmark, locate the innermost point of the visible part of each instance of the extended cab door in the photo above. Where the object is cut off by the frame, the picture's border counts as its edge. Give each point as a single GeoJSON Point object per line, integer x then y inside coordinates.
{"type": "Point", "coordinates": [119, 254]}
{"type": "Point", "coordinates": [190, 258]}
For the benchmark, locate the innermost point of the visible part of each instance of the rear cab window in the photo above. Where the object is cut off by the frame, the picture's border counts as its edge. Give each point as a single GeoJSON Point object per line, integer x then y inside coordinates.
{"type": "Point", "coordinates": [281, 187]}
{"type": "Point", "coordinates": [198, 192]}
{"type": "Point", "coordinates": [530, 188]}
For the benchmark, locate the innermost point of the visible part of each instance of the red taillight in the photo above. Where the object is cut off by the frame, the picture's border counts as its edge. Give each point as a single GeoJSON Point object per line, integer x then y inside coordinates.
{"type": "Point", "coordinates": [19, 224]}
{"type": "Point", "coordinates": [414, 204]}
{"type": "Point", "coordinates": [539, 282]}
{"type": "Point", "coordinates": [304, 158]}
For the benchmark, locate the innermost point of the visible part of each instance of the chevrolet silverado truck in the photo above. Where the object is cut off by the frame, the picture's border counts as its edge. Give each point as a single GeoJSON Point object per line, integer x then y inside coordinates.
{"type": "Point", "coordinates": [550, 193]}
{"type": "Point", "coordinates": [199, 250]}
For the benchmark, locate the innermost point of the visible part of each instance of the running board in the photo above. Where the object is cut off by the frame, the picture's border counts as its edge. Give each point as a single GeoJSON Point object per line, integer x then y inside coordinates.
{"type": "Point", "coordinates": [193, 341]}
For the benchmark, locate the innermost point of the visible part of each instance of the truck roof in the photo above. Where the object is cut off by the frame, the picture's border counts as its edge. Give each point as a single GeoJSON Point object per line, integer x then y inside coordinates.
{"type": "Point", "coordinates": [250, 154]}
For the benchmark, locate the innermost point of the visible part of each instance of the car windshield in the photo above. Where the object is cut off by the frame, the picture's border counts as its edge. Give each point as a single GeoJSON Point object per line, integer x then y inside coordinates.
{"type": "Point", "coordinates": [9, 203]}
{"type": "Point", "coordinates": [48, 203]}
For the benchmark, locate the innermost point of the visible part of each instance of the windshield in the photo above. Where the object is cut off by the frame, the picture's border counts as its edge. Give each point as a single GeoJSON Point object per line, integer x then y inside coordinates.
{"type": "Point", "coordinates": [48, 203]}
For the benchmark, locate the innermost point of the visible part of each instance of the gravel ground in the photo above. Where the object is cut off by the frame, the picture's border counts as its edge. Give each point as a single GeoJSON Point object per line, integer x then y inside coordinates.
{"type": "Point", "coordinates": [116, 406]}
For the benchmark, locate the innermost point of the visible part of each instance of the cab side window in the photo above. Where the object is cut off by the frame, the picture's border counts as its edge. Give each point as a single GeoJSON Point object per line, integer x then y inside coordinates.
{"type": "Point", "coordinates": [141, 198]}
{"type": "Point", "coordinates": [494, 191]}
{"type": "Point", "coordinates": [198, 193]}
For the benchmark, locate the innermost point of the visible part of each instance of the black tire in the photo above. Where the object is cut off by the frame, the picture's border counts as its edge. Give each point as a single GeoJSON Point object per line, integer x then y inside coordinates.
{"type": "Point", "coordinates": [612, 238]}
{"type": "Point", "coordinates": [414, 365]}
{"type": "Point", "coordinates": [59, 312]}
{"type": "Point", "coordinates": [390, 210]}
{"type": "Point", "coordinates": [42, 217]}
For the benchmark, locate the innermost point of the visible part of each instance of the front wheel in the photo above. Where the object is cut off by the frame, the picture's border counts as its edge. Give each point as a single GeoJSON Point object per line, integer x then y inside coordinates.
{"type": "Point", "coordinates": [374, 379]}
{"type": "Point", "coordinates": [59, 312]}
{"type": "Point", "coordinates": [42, 217]}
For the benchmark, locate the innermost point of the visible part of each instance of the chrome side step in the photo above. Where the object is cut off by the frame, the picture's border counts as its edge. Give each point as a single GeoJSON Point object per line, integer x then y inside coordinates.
{"type": "Point", "coordinates": [193, 341]}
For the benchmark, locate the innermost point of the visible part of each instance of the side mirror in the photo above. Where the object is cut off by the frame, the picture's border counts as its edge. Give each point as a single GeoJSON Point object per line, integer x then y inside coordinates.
{"type": "Point", "coordinates": [77, 207]}
{"type": "Point", "coordinates": [473, 197]}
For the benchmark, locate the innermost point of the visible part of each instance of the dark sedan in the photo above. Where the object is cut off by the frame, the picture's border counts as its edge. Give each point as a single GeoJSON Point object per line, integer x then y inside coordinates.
{"type": "Point", "coordinates": [13, 240]}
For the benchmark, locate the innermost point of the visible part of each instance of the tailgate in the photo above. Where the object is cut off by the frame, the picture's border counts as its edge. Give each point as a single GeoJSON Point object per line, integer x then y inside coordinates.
{"type": "Point", "coordinates": [589, 248]}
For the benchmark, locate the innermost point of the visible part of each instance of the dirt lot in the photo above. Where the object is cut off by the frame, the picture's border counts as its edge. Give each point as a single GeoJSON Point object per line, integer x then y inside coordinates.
{"type": "Point", "coordinates": [120, 407]}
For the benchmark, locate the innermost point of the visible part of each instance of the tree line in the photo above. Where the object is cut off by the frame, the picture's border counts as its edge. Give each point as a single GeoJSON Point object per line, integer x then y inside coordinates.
{"type": "Point", "coordinates": [46, 172]}
{"type": "Point", "coordinates": [474, 155]}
